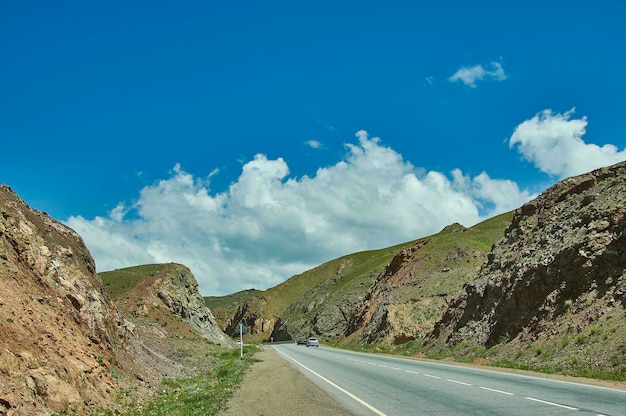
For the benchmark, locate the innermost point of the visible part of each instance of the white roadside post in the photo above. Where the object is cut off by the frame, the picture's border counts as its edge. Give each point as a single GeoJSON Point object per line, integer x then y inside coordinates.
{"type": "Point", "coordinates": [241, 340]}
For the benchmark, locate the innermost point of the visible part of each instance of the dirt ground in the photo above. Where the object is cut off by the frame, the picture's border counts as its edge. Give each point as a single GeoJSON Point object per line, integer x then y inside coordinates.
{"type": "Point", "coordinates": [274, 387]}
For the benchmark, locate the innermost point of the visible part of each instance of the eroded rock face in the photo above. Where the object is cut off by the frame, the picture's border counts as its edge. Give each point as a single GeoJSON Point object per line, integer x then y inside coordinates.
{"type": "Point", "coordinates": [412, 291]}
{"type": "Point", "coordinates": [179, 292]}
{"type": "Point", "coordinates": [254, 317]}
{"type": "Point", "coordinates": [58, 327]}
{"type": "Point", "coordinates": [560, 267]}
{"type": "Point", "coordinates": [322, 311]}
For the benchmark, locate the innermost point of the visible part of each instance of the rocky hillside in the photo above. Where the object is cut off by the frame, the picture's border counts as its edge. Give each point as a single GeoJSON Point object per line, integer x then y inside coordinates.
{"type": "Point", "coordinates": [390, 295]}
{"type": "Point", "coordinates": [59, 330]}
{"type": "Point", "coordinates": [224, 307]}
{"type": "Point", "coordinates": [314, 302]}
{"type": "Point", "coordinates": [553, 291]}
{"type": "Point", "coordinates": [65, 347]}
{"type": "Point", "coordinates": [162, 291]}
{"type": "Point", "coordinates": [413, 290]}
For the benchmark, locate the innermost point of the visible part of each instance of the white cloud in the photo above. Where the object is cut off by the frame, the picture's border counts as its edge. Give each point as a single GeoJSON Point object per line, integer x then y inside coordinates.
{"type": "Point", "coordinates": [314, 144]}
{"type": "Point", "coordinates": [554, 144]}
{"type": "Point", "coordinates": [469, 75]}
{"type": "Point", "coordinates": [267, 226]}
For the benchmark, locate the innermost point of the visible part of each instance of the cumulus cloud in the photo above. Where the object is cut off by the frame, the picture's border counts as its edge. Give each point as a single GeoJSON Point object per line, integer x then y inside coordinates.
{"type": "Point", "coordinates": [553, 143]}
{"type": "Point", "coordinates": [268, 226]}
{"type": "Point", "coordinates": [469, 75]}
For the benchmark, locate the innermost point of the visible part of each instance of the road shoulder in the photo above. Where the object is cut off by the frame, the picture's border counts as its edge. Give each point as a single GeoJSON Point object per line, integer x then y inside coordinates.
{"type": "Point", "coordinates": [274, 387]}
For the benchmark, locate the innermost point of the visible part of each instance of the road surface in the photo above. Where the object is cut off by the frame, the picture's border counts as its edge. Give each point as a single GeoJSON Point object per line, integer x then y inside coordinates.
{"type": "Point", "coordinates": [367, 384]}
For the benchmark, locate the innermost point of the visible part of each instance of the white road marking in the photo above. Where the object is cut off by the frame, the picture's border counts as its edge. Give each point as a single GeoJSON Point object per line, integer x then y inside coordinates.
{"type": "Point", "coordinates": [458, 382]}
{"type": "Point", "coordinates": [498, 391]}
{"type": "Point", "coordinates": [341, 389]}
{"type": "Point", "coordinates": [552, 404]}
{"type": "Point", "coordinates": [450, 380]}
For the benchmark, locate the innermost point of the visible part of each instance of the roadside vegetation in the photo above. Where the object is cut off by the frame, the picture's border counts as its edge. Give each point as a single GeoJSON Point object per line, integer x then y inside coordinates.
{"type": "Point", "coordinates": [204, 394]}
{"type": "Point", "coordinates": [537, 357]}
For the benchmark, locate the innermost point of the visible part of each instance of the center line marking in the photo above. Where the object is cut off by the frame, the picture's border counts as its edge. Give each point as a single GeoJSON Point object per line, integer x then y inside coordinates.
{"type": "Point", "coordinates": [341, 389]}
{"type": "Point", "coordinates": [498, 391]}
{"type": "Point", "coordinates": [553, 404]}
{"type": "Point", "coordinates": [428, 375]}
{"type": "Point", "coordinates": [458, 382]}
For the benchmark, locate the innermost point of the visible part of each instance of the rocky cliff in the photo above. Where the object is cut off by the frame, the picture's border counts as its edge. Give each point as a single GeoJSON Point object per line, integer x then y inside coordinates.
{"type": "Point", "coordinates": [172, 286]}
{"type": "Point", "coordinates": [553, 291]}
{"type": "Point", "coordinates": [58, 328]}
{"type": "Point", "coordinates": [65, 347]}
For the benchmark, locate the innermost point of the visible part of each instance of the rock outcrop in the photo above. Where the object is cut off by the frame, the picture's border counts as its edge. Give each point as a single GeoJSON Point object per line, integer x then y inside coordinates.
{"type": "Point", "coordinates": [254, 316]}
{"type": "Point", "coordinates": [58, 327]}
{"type": "Point", "coordinates": [412, 292]}
{"type": "Point", "coordinates": [557, 279]}
{"type": "Point", "coordinates": [178, 291]}
{"type": "Point", "coordinates": [324, 310]}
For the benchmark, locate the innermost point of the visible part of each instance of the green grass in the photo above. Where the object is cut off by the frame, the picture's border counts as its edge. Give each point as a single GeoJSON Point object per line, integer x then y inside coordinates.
{"type": "Point", "coordinates": [231, 301]}
{"type": "Point", "coordinates": [203, 395]}
{"type": "Point", "coordinates": [121, 281]}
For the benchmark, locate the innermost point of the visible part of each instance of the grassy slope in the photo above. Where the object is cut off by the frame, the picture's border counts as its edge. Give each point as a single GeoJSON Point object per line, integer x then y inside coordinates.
{"type": "Point", "coordinates": [436, 271]}
{"type": "Point", "coordinates": [274, 301]}
{"type": "Point", "coordinates": [360, 268]}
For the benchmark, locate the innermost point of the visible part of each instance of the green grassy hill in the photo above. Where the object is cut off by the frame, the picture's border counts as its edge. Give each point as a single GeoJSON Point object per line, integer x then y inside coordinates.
{"type": "Point", "coordinates": [321, 300]}
{"type": "Point", "coordinates": [224, 307]}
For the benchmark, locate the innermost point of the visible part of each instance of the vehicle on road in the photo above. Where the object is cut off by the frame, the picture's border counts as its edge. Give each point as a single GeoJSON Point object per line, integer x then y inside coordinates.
{"type": "Point", "coordinates": [312, 342]}
{"type": "Point", "coordinates": [301, 341]}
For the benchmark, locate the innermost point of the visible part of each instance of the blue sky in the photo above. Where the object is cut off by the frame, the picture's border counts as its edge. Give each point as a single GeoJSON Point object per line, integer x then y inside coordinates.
{"type": "Point", "coordinates": [254, 140]}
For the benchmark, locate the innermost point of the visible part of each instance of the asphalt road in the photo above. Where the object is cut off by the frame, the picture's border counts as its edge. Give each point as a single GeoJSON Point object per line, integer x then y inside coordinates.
{"type": "Point", "coordinates": [367, 384]}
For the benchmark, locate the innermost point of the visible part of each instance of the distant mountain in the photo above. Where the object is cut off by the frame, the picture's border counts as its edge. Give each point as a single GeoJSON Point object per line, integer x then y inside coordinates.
{"type": "Point", "coordinates": [387, 295]}
{"type": "Point", "coordinates": [348, 277]}
{"type": "Point", "coordinates": [224, 307]}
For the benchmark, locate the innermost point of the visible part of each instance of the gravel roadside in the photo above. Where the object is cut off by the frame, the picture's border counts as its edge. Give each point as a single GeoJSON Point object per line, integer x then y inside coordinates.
{"type": "Point", "coordinates": [274, 387]}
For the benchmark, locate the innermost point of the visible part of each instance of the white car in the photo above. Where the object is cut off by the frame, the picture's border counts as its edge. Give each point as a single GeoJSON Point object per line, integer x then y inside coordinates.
{"type": "Point", "coordinates": [312, 342]}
